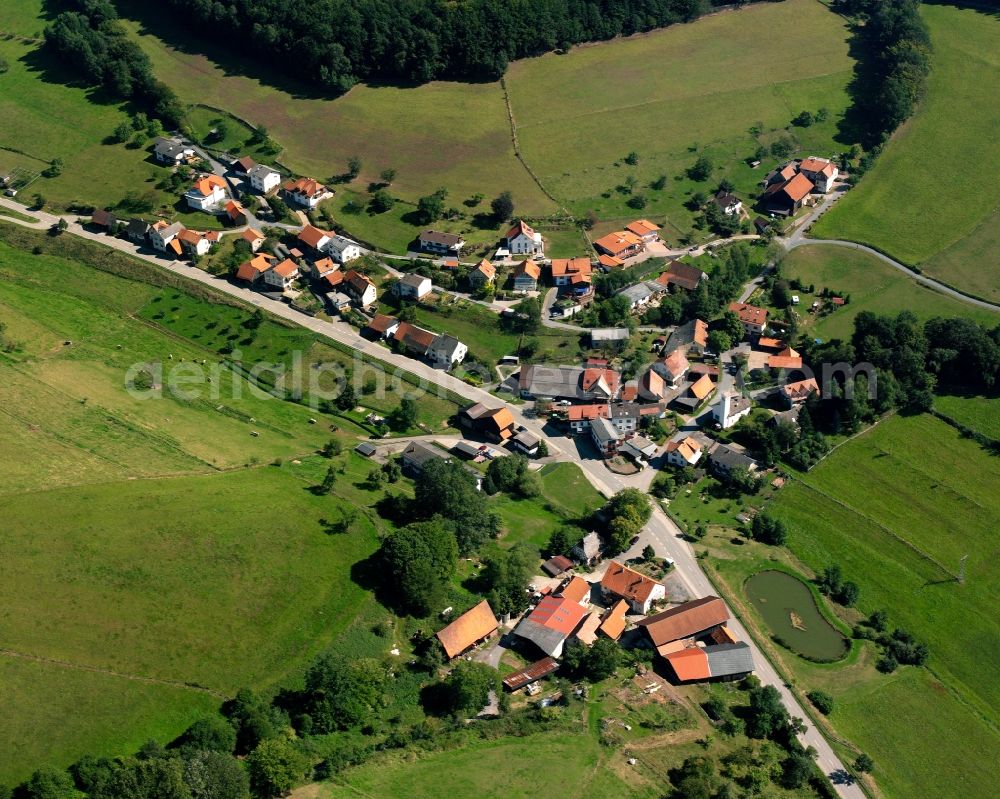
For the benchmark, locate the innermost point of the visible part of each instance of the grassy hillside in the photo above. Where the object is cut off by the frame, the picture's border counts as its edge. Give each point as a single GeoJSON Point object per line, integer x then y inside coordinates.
{"type": "Point", "coordinates": [675, 94]}
{"type": "Point", "coordinates": [923, 197]}
{"type": "Point", "coordinates": [668, 95]}
{"type": "Point", "coordinates": [872, 285]}
{"type": "Point", "coordinates": [897, 508]}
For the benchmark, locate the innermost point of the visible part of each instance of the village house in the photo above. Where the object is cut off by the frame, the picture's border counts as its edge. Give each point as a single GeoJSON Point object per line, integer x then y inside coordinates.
{"type": "Point", "coordinates": [701, 389]}
{"type": "Point", "coordinates": [446, 351]}
{"type": "Point", "coordinates": [413, 340]}
{"type": "Point", "coordinates": [684, 452]}
{"type": "Point", "coordinates": [523, 240]}
{"type": "Point", "coordinates": [342, 249]}
{"type": "Point", "coordinates": [253, 237]}
{"type": "Point", "coordinates": [576, 589]}
{"type": "Point", "coordinates": [412, 286]}
{"type": "Point", "coordinates": [318, 269]}
{"type": "Point", "coordinates": [669, 630]}
{"type": "Point", "coordinates": [530, 674]}
{"type": "Point", "coordinates": [609, 338]}
{"type": "Point", "coordinates": [494, 424]}
{"type": "Point", "coordinates": [567, 271]}
{"type": "Point", "coordinates": [621, 244]}
{"type": "Point", "coordinates": [821, 171]}
{"type": "Point", "coordinates": [786, 197]}
{"type": "Point", "coordinates": [672, 367]}
{"type": "Point", "coordinates": [360, 289]}
{"type": "Point", "coordinates": [283, 275]}
{"type": "Point", "coordinates": [586, 633]}
{"type": "Point", "coordinates": [251, 271]}
{"type": "Point", "coordinates": [236, 213]}
{"type": "Point", "coordinates": [483, 275]}
{"type": "Point", "coordinates": [609, 263]}
{"type": "Point", "coordinates": [471, 628]}
{"type": "Point", "coordinates": [605, 436]}
{"type": "Point", "coordinates": [193, 243]}
{"type": "Point", "coordinates": [595, 382]}
{"type": "Point", "coordinates": [526, 276]}
{"type": "Point", "coordinates": [579, 417]}
{"type": "Point", "coordinates": [691, 337]}
{"type": "Point", "coordinates": [170, 151]}
{"type": "Point", "coordinates": [138, 231]}
{"type": "Point", "coordinates": [645, 230]}
{"type": "Point", "coordinates": [625, 416]}
{"type": "Point", "coordinates": [242, 165]}
{"type": "Point", "coordinates": [730, 408]}
{"type": "Point", "coordinates": [306, 192]}
{"type": "Point", "coordinates": [208, 192]}
{"type": "Point", "coordinates": [639, 295]}
{"type": "Point", "coordinates": [723, 458]}
{"type": "Point", "coordinates": [729, 204]}
{"type": "Point", "coordinates": [753, 319]}
{"type": "Point", "coordinates": [383, 326]}
{"type": "Point", "coordinates": [588, 550]}
{"type": "Point", "coordinates": [263, 179]}
{"type": "Point", "coordinates": [613, 622]}
{"type": "Point", "coordinates": [314, 238]}
{"type": "Point", "coordinates": [439, 243]}
{"type": "Point", "coordinates": [528, 444]}
{"type": "Point", "coordinates": [795, 394]}
{"type": "Point", "coordinates": [417, 455]}
{"type": "Point", "coordinates": [552, 621]}
{"type": "Point", "coordinates": [682, 275]}
{"type": "Point", "coordinates": [161, 235]}
{"type": "Point", "coordinates": [637, 589]}
{"type": "Point", "coordinates": [104, 219]}
{"type": "Point", "coordinates": [786, 359]}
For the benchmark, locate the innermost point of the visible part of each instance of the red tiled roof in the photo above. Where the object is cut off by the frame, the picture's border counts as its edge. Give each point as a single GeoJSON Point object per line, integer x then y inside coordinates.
{"type": "Point", "coordinates": [702, 387]}
{"type": "Point", "coordinates": [518, 228]}
{"type": "Point", "coordinates": [381, 323]}
{"type": "Point", "coordinates": [286, 268]}
{"type": "Point", "coordinates": [576, 589]}
{"type": "Point", "coordinates": [609, 261]}
{"type": "Point", "coordinates": [577, 413]}
{"type": "Point", "coordinates": [690, 664]}
{"type": "Point", "coordinates": [312, 235]}
{"type": "Point", "coordinates": [676, 363]}
{"type": "Point", "coordinates": [685, 620]}
{"type": "Point", "coordinates": [800, 389]}
{"type": "Point", "coordinates": [618, 242]}
{"type": "Point", "coordinates": [568, 266]}
{"type": "Point", "coordinates": [641, 227]}
{"type": "Point", "coordinates": [558, 613]}
{"type": "Point", "coordinates": [614, 623]}
{"type": "Point", "coordinates": [821, 165]}
{"type": "Point", "coordinates": [749, 314]}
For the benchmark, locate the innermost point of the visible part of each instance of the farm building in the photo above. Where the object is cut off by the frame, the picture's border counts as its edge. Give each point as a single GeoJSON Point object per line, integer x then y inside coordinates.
{"type": "Point", "coordinates": [536, 671]}
{"type": "Point", "coordinates": [717, 662]}
{"type": "Point", "coordinates": [688, 620]}
{"type": "Point", "coordinates": [551, 622]}
{"type": "Point", "coordinates": [468, 630]}
{"type": "Point", "coordinates": [637, 589]}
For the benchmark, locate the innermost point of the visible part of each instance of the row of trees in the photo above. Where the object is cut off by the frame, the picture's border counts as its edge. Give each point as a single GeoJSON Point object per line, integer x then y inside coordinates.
{"type": "Point", "coordinates": [892, 73]}
{"type": "Point", "coordinates": [94, 43]}
{"type": "Point", "coordinates": [335, 43]}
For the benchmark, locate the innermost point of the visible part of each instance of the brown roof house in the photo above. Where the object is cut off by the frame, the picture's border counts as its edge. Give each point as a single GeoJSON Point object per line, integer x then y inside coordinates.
{"type": "Point", "coordinates": [468, 630]}
{"type": "Point", "coordinates": [637, 589]}
{"type": "Point", "coordinates": [688, 620]}
{"type": "Point", "coordinates": [754, 319]}
{"type": "Point", "coordinates": [682, 275]}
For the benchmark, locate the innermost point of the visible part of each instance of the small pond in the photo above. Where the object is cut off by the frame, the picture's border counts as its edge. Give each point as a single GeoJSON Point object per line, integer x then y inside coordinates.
{"type": "Point", "coordinates": [789, 609]}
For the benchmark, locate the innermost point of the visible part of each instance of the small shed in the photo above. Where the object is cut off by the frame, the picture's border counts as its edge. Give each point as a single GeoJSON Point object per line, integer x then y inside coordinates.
{"type": "Point", "coordinates": [557, 565]}
{"type": "Point", "coordinates": [365, 449]}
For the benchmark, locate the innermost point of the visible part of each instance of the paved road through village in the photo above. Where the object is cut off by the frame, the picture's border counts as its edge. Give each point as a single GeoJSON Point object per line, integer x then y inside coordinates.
{"type": "Point", "coordinates": [662, 533]}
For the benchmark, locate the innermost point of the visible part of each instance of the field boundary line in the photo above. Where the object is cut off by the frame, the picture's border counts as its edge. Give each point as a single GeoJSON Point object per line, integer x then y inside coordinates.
{"type": "Point", "coordinates": [517, 150]}
{"type": "Point", "coordinates": [12, 653]}
{"type": "Point", "coordinates": [860, 433]}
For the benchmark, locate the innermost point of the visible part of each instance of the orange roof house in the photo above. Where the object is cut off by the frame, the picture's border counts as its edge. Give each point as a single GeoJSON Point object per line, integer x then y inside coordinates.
{"type": "Point", "coordinates": [174, 245]}
{"type": "Point", "coordinates": [314, 237]}
{"type": "Point", "coordinates": [499, 424]}
{"type": "Point", "coordinates": [586, 633]}
{"type": "Point", "coordinates": [689, 664]}
{"type": "Point", "coordinates": [686, 452]}
{"type": "Point", "coordinates": [564, 269]}
{"type": "Point", "coordinates": [613, 624]}
{"type": "Point", "coordinates": [235, 212]}
{"type": "Point", "coordinates": [753, 318]}
{"type": "Point", "coordinates": [644, 229]}
{"type": "Point", "coordinates": [287, 268]}
{"type": "Point", "coordinates": [576, 588]}
{"type": "Point", "coordinates": [587, 413]}
{"type": "Point", "coordinates": [798, 392]}
{"type": "Point", "coordinates": [786, 359]}
{"type": "Point", "coordinates": [818, 165]}
{"type": "Point", "coordinates": [468, 629]}
{"type": "Point", "coordinates": [551, 622]}
{"type": "Point", "coordinates": [251, 270]}
{"type": "Point", "coordinates": [609, 262]}
{"type": "Point", "coordinates": [637, 589]}
{"type": "Point", "coordinates": [620, 244]}
{"type": "Point", "coordinates": [684, 621]}
{"type": "Point", "coordinates": [702, 387]}
{"type": "Point", "coordinates": [205, 185]}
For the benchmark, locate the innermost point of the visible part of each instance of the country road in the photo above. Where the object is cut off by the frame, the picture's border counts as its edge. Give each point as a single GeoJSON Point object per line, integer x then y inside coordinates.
{"type": "Point", "coordinates": [660, 532]}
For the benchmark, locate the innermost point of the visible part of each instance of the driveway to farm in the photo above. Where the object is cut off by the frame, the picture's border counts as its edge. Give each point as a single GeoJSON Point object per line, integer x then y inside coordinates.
{"type": "Point", "coordinates": [662, 533]}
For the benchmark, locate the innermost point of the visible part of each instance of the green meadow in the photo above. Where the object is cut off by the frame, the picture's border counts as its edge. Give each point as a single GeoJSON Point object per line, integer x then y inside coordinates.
{"type": "Point", "coordinates": [897, 508]}
{"type": "Point", "coordinates": [873, 286]}
{"type": "Point", "coordinates": [922, 203]}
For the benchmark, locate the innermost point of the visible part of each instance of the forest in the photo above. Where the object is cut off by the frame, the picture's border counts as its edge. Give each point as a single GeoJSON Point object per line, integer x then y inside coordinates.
{"type": "Point", "coordinates": [336, 43]}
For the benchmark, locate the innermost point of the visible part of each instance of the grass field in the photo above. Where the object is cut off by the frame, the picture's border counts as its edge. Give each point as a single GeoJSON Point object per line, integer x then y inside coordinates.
{"type": "Point", "coordinates": [979, 413]}
{"type": "Point", "coordinates": [146, 539]}
{"type": "Point", "coordinates": [672, 95]}
{"type": "Point", "coordinates": [577, 116]}
{"type": "Point", "coordinates": [897, 508]}
{"type": "Point", "coordinates": [872, 285]}
{"type": "Point", "coordinates": [915, 203]}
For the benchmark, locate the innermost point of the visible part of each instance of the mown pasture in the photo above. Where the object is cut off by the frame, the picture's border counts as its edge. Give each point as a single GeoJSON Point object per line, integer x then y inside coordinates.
{"type": "Point", "coordinates": [916, 202]}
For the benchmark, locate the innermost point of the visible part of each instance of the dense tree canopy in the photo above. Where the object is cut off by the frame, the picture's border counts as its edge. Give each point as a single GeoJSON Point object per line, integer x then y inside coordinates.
{"type": "Point", "coordinates": [336, 43]}
{"type": "Point", "coordinates": [447, 489]}
{"type": "Point", "coordinates": [420, 560]}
